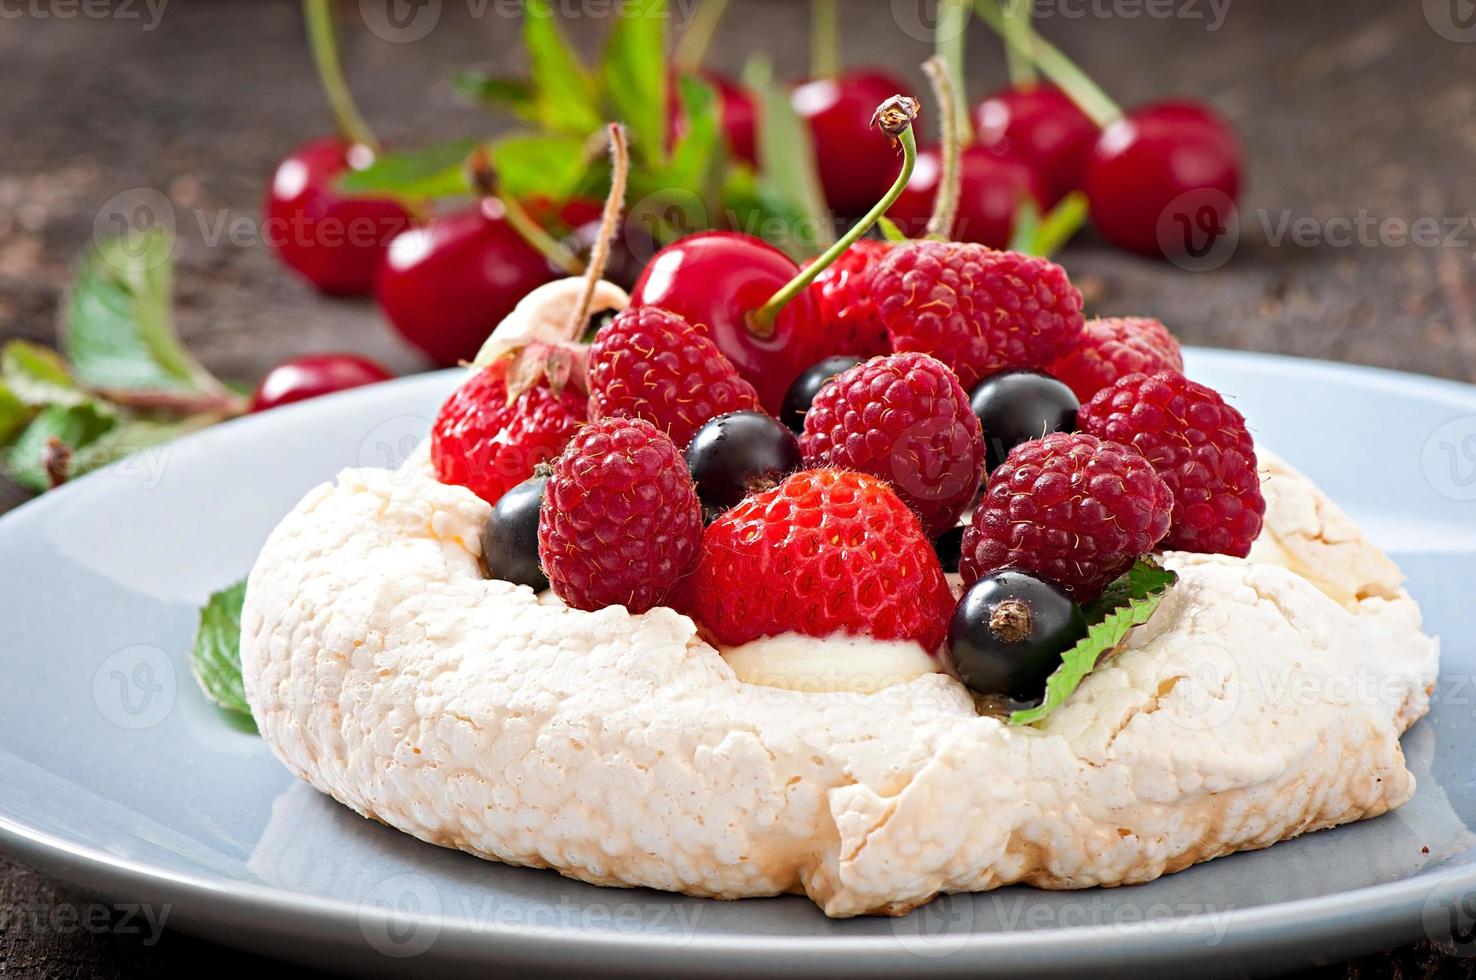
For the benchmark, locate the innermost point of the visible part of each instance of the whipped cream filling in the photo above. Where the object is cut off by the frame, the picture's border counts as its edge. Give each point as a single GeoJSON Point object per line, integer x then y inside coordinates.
{"type": "Point", "coordinates": [856, 664]}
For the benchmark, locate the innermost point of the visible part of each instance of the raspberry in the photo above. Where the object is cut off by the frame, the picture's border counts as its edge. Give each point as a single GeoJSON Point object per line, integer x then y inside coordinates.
{"type": "Point", "coordinates": [1201, 448]}
{"type": "Point", "coordinates": [1115, 347]}
{"type": "Point", "coordinates": [651, 364]}
{"type": "Point", "coordinates": [620, 522]}
{"type": "Point", "coordinates": [1071, 508]}
{"type": "Point", "coordinates": [825, 552]}
{"type": "Point", "coordinates": [904, 418]}
{"type": "Point", "coordinates": [976, 310]}
{"type": "Point", "coordinates": [489, 446]}
{"type": "Point", "coordinates": [843, 296]}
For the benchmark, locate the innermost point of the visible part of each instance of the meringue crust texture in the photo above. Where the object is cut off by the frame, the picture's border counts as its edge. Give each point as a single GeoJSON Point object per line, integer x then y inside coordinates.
{"type": "Point", "coordinates": [1264, 699]}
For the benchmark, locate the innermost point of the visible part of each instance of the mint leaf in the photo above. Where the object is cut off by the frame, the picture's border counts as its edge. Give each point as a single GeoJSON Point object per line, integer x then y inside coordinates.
{"type": "Point", "coordinates": [118, 327]}
{"type": "Point", "coordinates": [13, 414]}
{"type": "Point", "coordinates": [1128, 602]}
{"type": "Point", "coordinates": [694, 159]}
{"type": "Point", "coordinates": [31, 461]}
{"type": "Point", "coordinates": [38, 376]}
{"type": "Point", "coordinates": [130, 435]}
{"type": "Point", "coordinates": [538, 166]}
{"type": "Point", "coordinates": [563, 92]}
{"type": "Point", "coordinates": [787, 159]}
{"type": "Point", "coordinates": [435, 171]}
{"type": "Point", "coordinates": [215, 657]}
{"type": "Point", "coordinates": [634, 75]}
{"type": "Point", "coordinates": [513, 95]}
{"type": "Point", "coordinates": [889, 230]}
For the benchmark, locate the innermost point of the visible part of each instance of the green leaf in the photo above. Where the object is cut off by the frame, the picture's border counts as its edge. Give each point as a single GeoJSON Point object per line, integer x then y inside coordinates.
{"type": "Point", "coordinates": [14, 414]}
{"type": "Point", "coordinates": [1060, 225]}
{"type": "Point", "coordinates": [563, 91]}
{"type": "Point", "coordinates": [435, 171]}
{"type": "Point", "coordinates": [889, 230]}
{"type": "Point", "coordinates": [695, 158]}
{"type": "Point", "coordinates": [215, 657]}
{"type": "Point", "coordinates": [538, 166]}
{"type": "Point", "coordinates": [73, 426]}
{"type": "Point", "coordinates": [634, 75]}
{"type": "Point", "coordinates": [118, 327]}
{"type": "Point", "coordinates": [513, 95]}
{"type": "Point", "coordinates": [756, 208]}
{"type": "Point", "coordinates": [38, 376]}
{"type": "Point", "coordinates": [787, 160]}
{"type": "Point", "coordinates": [1128, 602]}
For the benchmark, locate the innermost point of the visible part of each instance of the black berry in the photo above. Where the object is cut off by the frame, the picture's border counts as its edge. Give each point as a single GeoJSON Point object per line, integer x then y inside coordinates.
{"type": "Point", "coordinates": [737, 454]}
{"type": "Point", "coordinates": [1008, 633]}
{"type": "Point", "coordinates": [510, 536]}
{"type": "Point", "coordinates": [803, 390]}
{"type": "Point", "coordinates": [1017, 406]}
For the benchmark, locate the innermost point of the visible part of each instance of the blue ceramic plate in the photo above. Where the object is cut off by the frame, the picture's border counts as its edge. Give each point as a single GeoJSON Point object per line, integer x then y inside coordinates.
{"type": "Point", "coordinates": [115, 773]}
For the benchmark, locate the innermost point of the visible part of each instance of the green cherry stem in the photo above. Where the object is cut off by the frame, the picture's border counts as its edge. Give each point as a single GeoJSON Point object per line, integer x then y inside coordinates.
{"type": "Point", "coordinates": [483, 178]}
{"type": "Point", "coordinates": [894, 117]}
{"type": "Point", "coordinates": [824, 38]}
{"type": "Point", "coordinates": [324, 42]}
{"type": "Point", "coordinates": [1077, 85]}
{"type": "Point", "coordinates": [697, 38]}
{"type": "Point", "coordinates": [948, 46]}
{"type": "Point", "coordinates": [1019, 37]}
{"type": "Point", "coordinates": [945, 205]}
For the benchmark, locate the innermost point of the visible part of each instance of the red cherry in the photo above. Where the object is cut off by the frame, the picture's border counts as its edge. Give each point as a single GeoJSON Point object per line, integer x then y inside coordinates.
{"type": "Point", "coordinates": [1164, 174]}
{"type": "Point", "coordinates": [855, 167]}
{"type": "Point", "coordinates": [736, 109]}
{"type": "Point", "coordinates": [312, 375]}
{"type": "Point", "coordinates": [714, 280]}
{"type": "Point", "coordinates": [446, 286]}
{"type": "Point", "coordinates": [1043, 127]}
{"type": "Point", "coordinates": [991, 186]}
{"type": "Point", "coordinates": [333, 241]}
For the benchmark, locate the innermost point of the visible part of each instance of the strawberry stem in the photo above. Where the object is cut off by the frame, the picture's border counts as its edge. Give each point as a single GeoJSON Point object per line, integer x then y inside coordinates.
{"type": "Point", "coordinates": [324, 42]}
{"type": "Point", "coordinates": [609, 222]}
{"type": "Point", "coordinates": [1077, 85]}
{"type": "Point", "coordinates": [483, 179]}
{"type": "Point", "coordinates": [691, 50]}
{"type": "Point", "coordinates": [1019, 37]}
{"type": "Point", "coordinates": [824, 38]}
{"type": "Point", "coordinates": [945, 204]}
{"type": "Point", "coordinates": [894, 117]}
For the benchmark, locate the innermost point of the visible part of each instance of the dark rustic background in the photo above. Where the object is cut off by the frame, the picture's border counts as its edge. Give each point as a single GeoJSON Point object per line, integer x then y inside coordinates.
{"type": "Point", "coordinates": [1356, 117]}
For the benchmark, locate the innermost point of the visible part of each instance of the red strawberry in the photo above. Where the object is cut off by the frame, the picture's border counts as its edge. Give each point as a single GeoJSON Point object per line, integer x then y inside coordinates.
{"type": "Point", "coordinates": [651, 364]}
{"type": "Point", "coordinates": [976, 310]}
{"type": "Point", "coordinates": [489, 445]}
{"type": "Point", "coordinates": [825, 552]}
{"type": "Point", "coordinates": [1070, 508]}
{"type": "Point", "coordinates": [1201, 448]}
{"type": "Point", "coordinates": [1115, 347]}
{"type": "Point", "coordinates": [620, 522]}
{"type": "Point", "coordinates": [904, 418]}
{"type": "Point", "coordinates": [842, 293]}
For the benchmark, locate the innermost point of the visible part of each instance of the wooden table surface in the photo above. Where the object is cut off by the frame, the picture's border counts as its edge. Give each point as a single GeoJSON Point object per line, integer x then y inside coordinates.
{"type": "Point", "coordinates": [1357, 230]}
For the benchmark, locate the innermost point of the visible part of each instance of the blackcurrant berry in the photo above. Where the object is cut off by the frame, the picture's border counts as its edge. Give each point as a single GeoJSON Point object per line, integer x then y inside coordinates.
{"type": "Point", "coordinates": [1008, 633]}
{"type": "Point", "coordinates": [737, 454]}
{"type": "Point", "coordinates": [803, 390]}
{"type": "Point", "coordinates": [1017, 406]}
{"type": "Point", "coordinates": [949, 546]}
{"type": "Point", "coordinates": [510, 536]}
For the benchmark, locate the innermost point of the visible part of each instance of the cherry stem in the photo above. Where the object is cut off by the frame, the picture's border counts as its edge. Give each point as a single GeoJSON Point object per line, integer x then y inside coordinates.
{"type": "Point", "coordinates": [1077, 85]}
{"type": "Point", "coordinates": [948, 46]}
{"type": "Point", "coordinates": [324, 42]}
{"type": "Point", "coordinates": [1019, 38]}
{"type": "Point", "coordinates": [609, 223]}
{"type": "Point", "coordinates": [483, 178]}
{"type": "Point", "coordinates": [945, 205]}
{"type": "Point", "coordinates": [894, 117]}
{"type": "Point", "coordinates": [824, 38]}
{"type": "Point", "coordinates": [691, 50]}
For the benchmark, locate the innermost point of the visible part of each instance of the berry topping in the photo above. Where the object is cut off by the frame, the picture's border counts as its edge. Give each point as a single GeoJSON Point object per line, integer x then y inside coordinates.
{"type": "Point", "coordinates": [801, 394]}
{"type": "Point", "coordinates": [825, 552]}
{"type": "Point", "coordinates": [843, 296]}
{"type": "Point", "coordinates": [1070, 508]}
{"type": "Point", "coordinates": [487, 444]}
{"type": "Point", "coordinates": [1017, 406]}
{"type": "Point", "coordinates": [738, 454]}
{"type": "Point", "coordinates": [510, 536]}
{"type": "Point", "coordinates": [903, 418]}
{"type": "Point", "coordinates": [1114, 347]}
{"type": "Point", "coordinates": [651, 364]}
{"type": "Point", "coordinates": [620, 522]}
{"type": "Point", "coordinates": [976, 310]}
{"type": "Point", "coordinates": [313, 375]}
{"type": "Point", "coordinates": [1008, 634]}
{"type": "Point", "coordinates": [1200, 447]}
